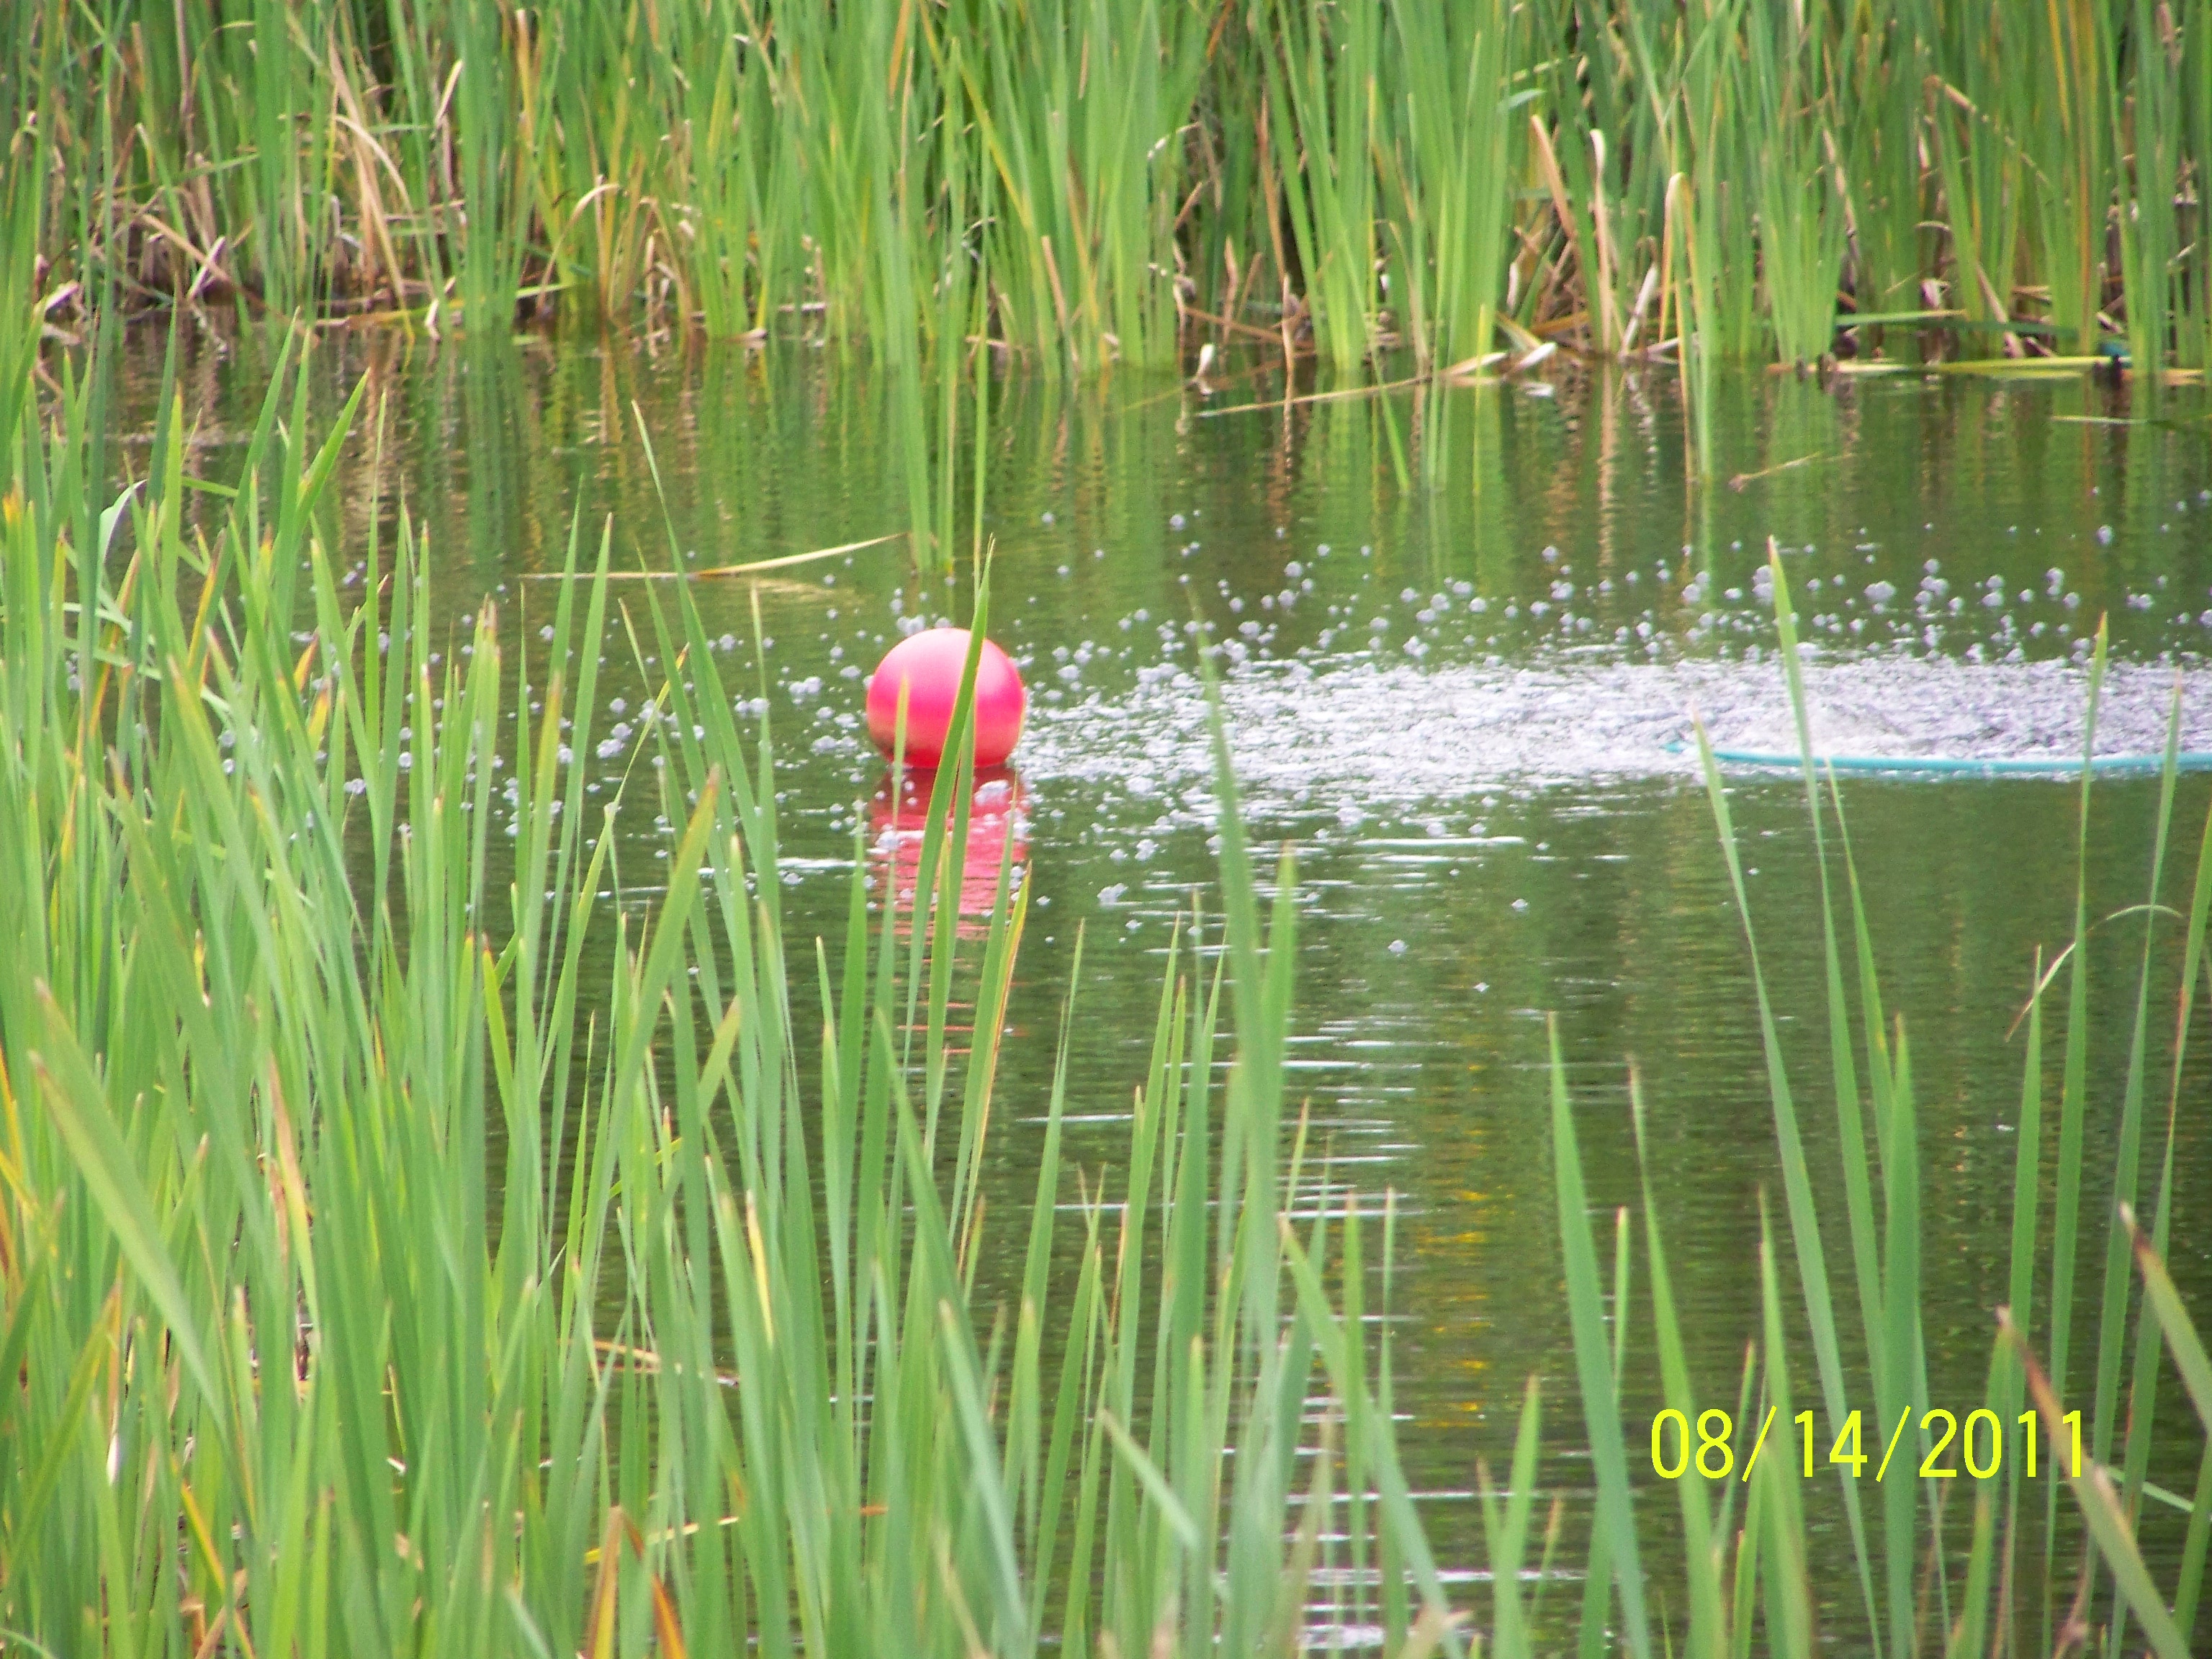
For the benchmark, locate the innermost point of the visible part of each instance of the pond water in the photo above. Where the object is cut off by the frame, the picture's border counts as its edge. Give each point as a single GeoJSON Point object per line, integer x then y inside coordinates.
{"type": "Point", "coordinates": [1461, 709]}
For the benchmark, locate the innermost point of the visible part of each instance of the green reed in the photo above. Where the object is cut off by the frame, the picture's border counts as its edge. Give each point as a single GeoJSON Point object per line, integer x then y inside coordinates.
{"type": "Point", "coordinates": [360, 1292]}
{"type": "Point", "coordinates": [711, 1352]}
{"type": "Point", "coordinates": [1312, 178]}
{"type": "Point", "coordinates": [1920, 1585]}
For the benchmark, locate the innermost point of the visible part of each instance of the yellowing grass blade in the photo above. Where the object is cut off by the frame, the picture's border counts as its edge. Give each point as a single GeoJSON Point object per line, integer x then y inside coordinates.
{"type": "Point", "coordinates": [2101, 1509]}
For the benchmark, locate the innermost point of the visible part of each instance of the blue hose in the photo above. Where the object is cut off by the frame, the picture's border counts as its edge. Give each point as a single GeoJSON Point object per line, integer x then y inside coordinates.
{"type": "Point", "coordinates": [2189, 760]}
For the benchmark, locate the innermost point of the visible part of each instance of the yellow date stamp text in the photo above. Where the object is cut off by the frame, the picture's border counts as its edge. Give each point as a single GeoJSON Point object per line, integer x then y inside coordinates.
{"type": "Point", "coordinates": [1974, 1448]}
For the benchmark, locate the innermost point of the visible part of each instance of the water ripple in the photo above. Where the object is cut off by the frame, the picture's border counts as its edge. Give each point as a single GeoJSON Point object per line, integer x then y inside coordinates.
{"type": "Point", "coordinates": [1361, 736]}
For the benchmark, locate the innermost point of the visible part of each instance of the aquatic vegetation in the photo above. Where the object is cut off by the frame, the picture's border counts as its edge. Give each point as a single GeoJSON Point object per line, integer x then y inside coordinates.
{"type": "Point", "coordinates": [2014, 1586]}
{"type": "Point", "coordinates": [358, 1294]}
{"type": "Point", "coordinates": [1083, 184]}
{"type": "Point", "coordinates": [318, 1330]}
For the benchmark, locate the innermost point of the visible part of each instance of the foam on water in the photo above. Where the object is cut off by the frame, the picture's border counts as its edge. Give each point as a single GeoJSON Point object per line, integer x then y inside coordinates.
{"type": "Point", "coordinates": [1398, 735]}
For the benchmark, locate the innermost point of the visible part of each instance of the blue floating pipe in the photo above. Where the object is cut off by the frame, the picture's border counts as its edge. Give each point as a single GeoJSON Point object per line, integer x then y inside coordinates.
{"type": "Point", "coordinates": [1946, 766]}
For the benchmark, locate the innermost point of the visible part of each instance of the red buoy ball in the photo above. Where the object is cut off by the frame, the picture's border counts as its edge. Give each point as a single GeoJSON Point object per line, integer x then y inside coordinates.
{"type": "Point", "coordinates": [928, 664]}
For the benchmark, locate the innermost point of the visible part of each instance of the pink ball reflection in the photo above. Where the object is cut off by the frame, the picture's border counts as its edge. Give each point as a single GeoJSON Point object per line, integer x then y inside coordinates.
{"type": "Point", "coordinates": [997, 817]}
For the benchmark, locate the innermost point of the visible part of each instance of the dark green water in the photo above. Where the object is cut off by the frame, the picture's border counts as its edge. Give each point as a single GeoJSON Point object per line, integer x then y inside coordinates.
{"type": "Point", "coordinates": [1452, 704]}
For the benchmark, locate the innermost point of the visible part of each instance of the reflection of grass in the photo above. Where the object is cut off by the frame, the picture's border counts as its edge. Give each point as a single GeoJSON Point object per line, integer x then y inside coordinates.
{"type": "Point", "coordinates": [1090, 180]}
{"type": "Point", "coordinates": [1914, 1586]}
